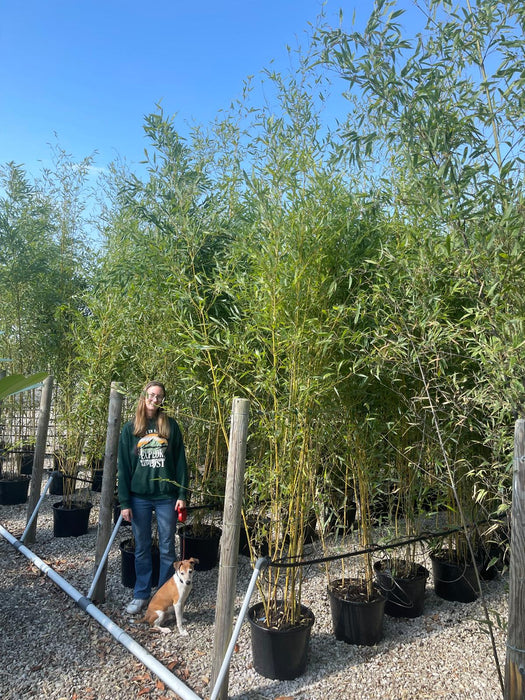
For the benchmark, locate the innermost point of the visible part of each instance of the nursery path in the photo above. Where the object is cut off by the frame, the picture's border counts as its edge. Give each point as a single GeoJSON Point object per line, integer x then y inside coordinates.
{"type": "Point", "coordinates": [51, 649]}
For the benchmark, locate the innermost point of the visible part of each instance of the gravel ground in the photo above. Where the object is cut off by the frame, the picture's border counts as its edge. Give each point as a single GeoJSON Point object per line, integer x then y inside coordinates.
{"type": "Point", "coordinates": [50, 648]}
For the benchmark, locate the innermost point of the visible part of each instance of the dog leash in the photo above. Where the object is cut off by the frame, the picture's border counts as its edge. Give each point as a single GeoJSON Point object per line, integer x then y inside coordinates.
{"type": "Point", "coordinates": [183, 547]}
{"type": "Point", "coordinates": [182, 514]}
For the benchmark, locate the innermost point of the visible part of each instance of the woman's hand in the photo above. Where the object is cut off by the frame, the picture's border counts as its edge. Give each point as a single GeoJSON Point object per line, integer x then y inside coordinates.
{"type": "Point", "coordinates": [126, 514]}
{"type": "Point", "coordinates": [180, 509]}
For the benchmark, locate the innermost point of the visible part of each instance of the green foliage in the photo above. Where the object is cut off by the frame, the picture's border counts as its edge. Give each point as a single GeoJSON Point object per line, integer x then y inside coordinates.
{"type": "Point", "coordinates": [27, 278]}
{"type": "Point", "coordinates": [361, 285]}
{"type": "Point", "coordinates": [16, 383]}
{"type": "Point", "coordinates": [447, 307]}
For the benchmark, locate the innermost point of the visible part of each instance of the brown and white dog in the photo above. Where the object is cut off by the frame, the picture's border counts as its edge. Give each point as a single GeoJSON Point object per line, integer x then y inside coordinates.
{"type": "Point", "coordinates": [171, 597]}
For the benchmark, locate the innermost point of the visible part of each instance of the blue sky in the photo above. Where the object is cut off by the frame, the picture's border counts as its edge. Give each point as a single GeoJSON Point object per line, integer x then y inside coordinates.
{"type": "Point", "coordinates": [89, 70]}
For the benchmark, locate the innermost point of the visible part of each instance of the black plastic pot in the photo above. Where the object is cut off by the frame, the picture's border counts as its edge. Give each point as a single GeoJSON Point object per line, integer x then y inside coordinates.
{"type": "Point", "coordinates": [57, 485]}
{"type": "Point", "coordinates": [493, 556]}
{"type": "Point", "coordinates": [96, 467]}
{"type": "Point", "coordinates": [96, 482]}
{"type": "Point", "coordinates": [405, 595]}
{"type": "Point", "coordinates": [71, 522]}
{"type": "Point", "coordinates": [356, 621]}
{"type": "Point", "coordinates": [454, 580]}
{"type": "Point", "coordinates": [280, 654]}
{"type": "Point", "coordinates": [13, 491]}
{"type": "Point", "coordinates": [26, 462]}
{"type": "Point", "coordinates": [201, 542]}
{"type": "Point", "coordinates": [127, 562]}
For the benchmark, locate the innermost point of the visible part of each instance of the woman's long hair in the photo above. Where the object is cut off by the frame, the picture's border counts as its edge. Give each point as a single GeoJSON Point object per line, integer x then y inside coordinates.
{"type": "Point", "coordinates": [140, 424]}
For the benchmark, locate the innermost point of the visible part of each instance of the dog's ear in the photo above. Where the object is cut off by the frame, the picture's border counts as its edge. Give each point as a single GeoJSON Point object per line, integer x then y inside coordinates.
{"type": "Point", "coordinates": [176, 565]}
{"type": "Point", "coordinates": [194, 561]}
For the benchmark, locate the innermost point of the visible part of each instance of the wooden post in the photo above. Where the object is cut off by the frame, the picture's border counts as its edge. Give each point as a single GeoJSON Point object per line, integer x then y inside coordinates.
{"type": "Point", "coordinates": [39, 456]}
{"type": "Point", "coordinates": [109, 478]}
{"type": "Point", "coordinates": [230, 537]}
{"type": "Point", "coordinates": [515, 660]}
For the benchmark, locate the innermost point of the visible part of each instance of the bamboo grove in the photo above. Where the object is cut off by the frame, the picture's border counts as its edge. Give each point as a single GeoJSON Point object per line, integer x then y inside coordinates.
{"type": "Point", "coordinates": [359, 279]}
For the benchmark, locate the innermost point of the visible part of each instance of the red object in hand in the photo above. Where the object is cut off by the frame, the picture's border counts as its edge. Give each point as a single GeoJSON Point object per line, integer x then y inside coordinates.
{"type": "Point", "coordinates": [183, 514]}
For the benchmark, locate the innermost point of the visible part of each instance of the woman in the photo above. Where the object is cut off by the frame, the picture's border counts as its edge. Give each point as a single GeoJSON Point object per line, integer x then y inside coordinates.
{"type": "Point", "coordinates": [152, 476]}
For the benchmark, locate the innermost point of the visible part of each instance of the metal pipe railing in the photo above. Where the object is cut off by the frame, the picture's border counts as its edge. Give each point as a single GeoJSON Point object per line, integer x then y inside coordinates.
{"type": "Point", "coordinates": [104, 557]}
{"type": "Point", "coordinates": [37, 507]}
{"type": "Point", "coordinates": [118, 633]}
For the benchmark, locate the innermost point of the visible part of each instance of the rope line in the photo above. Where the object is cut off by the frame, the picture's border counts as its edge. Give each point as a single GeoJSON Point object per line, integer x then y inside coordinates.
{"type": "Point", "coordinates": [288, 563]}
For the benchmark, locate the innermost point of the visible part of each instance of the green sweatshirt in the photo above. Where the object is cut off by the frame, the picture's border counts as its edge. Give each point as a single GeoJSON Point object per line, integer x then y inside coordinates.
{"type": "Point", "coordinates": [151, 466]}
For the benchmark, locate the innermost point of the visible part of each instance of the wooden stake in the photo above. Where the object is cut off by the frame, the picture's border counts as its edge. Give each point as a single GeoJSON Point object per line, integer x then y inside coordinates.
{"type": "Point", "coordinates": [230, 538]}
{"type": "Point", "coordinates": [39, 456]}
{"type": "Point", "coordinates": [515, 660]}
{"type": "Point", "coordinates": [109, 479]}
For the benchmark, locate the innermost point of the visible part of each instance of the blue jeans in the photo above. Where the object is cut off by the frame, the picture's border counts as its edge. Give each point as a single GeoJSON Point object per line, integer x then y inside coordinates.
{"type": "Point", "coordinates": [142, 510]}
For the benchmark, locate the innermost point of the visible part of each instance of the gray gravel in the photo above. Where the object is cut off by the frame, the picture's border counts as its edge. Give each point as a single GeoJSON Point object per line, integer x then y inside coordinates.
{"type": "Point", "coordinates": [51, 649]}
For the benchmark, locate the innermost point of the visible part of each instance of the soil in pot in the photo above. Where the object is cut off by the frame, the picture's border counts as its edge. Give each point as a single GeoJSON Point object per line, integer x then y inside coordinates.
{"type": "Point", "coordinates": [127, 561]}
{"type": "Point", "coordinates": [356, 618]}
{"type": "Point", "coordinates": [202, 542]}
{"type": "Point", "coordinates": [454, 580]}
{"type": "Point", "coordinates": [404, 584]}
{"type": "Point", "coordinates": [14, 489]}
{"type": "Point", "coordinates": [71, 521]}
{"type": "Point", "coordinates": [280, 653]}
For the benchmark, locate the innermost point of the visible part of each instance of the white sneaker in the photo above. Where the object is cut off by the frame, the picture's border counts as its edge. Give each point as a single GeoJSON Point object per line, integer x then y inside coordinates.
{"type": "Point", "coordinates": [136, 605]}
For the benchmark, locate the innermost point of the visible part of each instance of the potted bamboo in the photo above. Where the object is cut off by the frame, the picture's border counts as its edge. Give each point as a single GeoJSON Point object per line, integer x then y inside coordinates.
{"type": "Point", "coordinates": [280, 624]}
{"type": "Point", "coordinates": [400, 576]}
{"type": "Point", "coordinates": [453, 568]}
{"type": "Point", "coordinates": [95, 446]}
{"type": "Point", "coordinates": [27, 455]}
{"type": "Point", "coordinates": [15, 473]}
{"type": "Point", "coordinates": [454, 573]}
{"type": "Point", "coordinates": [253, 536]}
{"type": "Point", "coordinates": [75, 413]}
{"type": "Point", "coordinates": [199, 536]}
{"type": "Point", "coordinates": [403, 581]}
{"type": "Point", "coordinates": [14, 485]}
{"type": "Point", "coordinates": [357, 603]}
{"type": "Point", "coordinates": [454, 556]}
{"type": "Point", "coordinates": [338, 493]}
{"type": "Point", "coordinates": [71, 514]}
